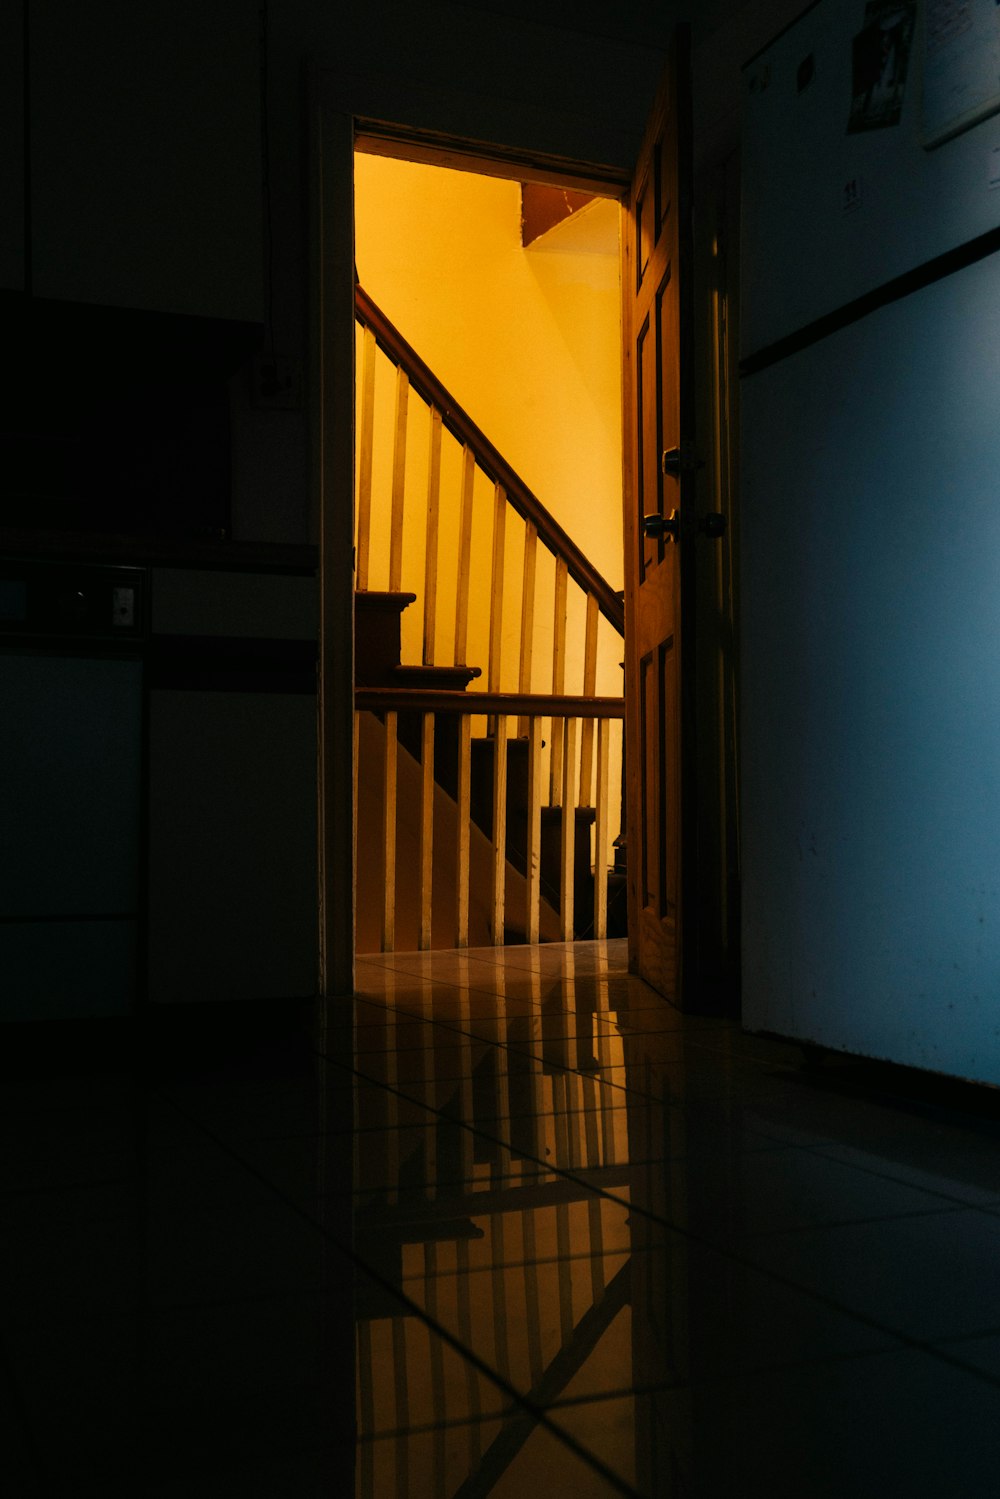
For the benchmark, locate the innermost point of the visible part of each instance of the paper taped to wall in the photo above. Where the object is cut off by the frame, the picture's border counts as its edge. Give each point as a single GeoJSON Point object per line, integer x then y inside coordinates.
{"type": "Point", "coordinates": [961, 66]}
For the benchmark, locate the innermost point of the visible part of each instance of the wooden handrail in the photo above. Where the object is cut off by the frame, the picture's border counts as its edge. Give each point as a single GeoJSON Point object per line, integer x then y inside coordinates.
{"type": "Point", "coordinates": [523, 704]}
{"type": "Point", "coordinates": [460, 424]}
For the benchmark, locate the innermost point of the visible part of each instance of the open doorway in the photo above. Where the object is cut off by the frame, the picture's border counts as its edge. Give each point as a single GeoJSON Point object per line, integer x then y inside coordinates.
{"type": "Point", "coordinates": [520, 322]}
{"type": "Point", "coordinates": [344, 109]}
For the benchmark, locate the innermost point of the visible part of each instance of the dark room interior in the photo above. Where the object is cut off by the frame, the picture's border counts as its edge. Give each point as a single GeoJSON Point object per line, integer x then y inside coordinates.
{"type": "Point", "coordinates": [385, 1112]}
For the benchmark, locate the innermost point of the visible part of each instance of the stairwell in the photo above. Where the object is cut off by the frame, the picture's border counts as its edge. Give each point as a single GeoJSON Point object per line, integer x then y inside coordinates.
{"type": "Point", "coordinates": [378, 665]}
{"type": "Point", "coordinates": [458, 843]}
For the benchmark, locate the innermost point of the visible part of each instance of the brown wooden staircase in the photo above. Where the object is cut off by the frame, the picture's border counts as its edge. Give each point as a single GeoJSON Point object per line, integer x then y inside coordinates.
{"type": "Point", "coordinates": [378, 667]}
{"type": "Point", "coordinates": [458, 844]}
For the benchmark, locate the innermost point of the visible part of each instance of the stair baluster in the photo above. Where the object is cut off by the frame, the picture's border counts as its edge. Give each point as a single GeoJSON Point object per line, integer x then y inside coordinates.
{"type": "Point", "coordinates": [431, 543]}
{"type": "Point", "coordinates": [426, 828]}
{"type": "Point", "coordinates": [521, 858]}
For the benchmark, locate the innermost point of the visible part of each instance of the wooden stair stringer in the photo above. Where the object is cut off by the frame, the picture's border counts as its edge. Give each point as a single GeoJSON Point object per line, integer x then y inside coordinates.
{"type": "Point", "coordinates": [370, 861]}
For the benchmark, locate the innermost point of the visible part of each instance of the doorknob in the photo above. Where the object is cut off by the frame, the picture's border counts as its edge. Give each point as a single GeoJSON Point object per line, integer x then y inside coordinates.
{"type": "Point", "coordinates": [712, 525]}
{"type": "Point", "coordinates": [660, 525]}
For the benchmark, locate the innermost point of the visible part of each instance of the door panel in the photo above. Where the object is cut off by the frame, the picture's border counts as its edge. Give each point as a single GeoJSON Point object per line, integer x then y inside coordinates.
{"type": "Point", "coordinates": [659, 594]}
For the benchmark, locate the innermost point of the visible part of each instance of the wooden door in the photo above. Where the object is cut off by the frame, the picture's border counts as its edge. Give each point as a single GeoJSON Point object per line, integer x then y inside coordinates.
{"type": "Point", "coordinates": [659, 485]}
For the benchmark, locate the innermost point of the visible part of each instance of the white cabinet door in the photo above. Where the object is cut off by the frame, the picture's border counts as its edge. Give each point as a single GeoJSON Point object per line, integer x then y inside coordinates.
{"type": "Point", "coordinates": [12, 148]}
{"type": "Point", "coordinates": [145, 126]}
{"type": "Point", "coordinates": [69, 809]}
{"type": "Point", "coordinates": [232, 846]}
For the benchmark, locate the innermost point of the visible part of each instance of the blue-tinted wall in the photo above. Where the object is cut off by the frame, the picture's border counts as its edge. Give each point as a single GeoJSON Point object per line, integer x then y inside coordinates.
{"type": "Point", "coordinates": [871, 688]}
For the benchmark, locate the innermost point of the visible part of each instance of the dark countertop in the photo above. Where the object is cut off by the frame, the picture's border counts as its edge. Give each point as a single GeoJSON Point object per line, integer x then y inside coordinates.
{"type": "Point", "coordinates": [159, 551]}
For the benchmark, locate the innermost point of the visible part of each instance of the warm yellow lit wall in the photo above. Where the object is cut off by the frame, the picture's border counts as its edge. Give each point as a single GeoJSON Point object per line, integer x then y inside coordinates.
{"type": "Point", "coordinates": [527, 340]}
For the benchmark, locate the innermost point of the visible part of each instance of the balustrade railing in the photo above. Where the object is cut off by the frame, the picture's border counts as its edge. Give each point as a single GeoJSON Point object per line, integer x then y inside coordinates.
{"type": "Point", "coordinates": [513, 851]}
{"type": "Point", "coordinates": [505, 588]}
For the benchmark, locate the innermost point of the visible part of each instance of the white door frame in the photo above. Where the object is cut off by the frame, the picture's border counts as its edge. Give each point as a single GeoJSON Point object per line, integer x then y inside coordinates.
{"type": "Point", "coordinates": [337, 117]}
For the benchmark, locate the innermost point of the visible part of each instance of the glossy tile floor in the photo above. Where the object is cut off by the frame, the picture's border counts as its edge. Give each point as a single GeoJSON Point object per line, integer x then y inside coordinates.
{"type": "Point", "coordinates": [597, 1249]}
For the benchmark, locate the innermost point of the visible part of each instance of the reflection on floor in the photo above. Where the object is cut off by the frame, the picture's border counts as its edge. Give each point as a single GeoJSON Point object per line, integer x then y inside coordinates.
{"type": "Point", "coordinates": [612, 1251]}
{"type": "Point", "coordinates": [539, 1234]}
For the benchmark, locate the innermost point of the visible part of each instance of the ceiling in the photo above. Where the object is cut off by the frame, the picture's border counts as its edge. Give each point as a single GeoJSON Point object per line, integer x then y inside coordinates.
{"type": "Point", "coordinates": [648, 22]}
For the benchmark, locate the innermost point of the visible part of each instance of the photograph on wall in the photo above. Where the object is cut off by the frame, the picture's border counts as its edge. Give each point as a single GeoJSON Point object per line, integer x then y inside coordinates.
{"type": "Point", "coordinates": [961, 76]}
{"type": "Point", "coordinates": [880, 63]}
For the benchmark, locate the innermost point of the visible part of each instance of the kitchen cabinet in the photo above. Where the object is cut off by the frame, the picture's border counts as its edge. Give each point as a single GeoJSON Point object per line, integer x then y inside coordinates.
{"type": "Point", "coordinates": [12, 148]}
{"type": "Point", "coordinates": [145, 155]}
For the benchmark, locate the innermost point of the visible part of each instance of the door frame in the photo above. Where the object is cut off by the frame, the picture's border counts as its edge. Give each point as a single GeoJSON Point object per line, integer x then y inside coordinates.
{"type": "Point", "coordinates": [336, 123]}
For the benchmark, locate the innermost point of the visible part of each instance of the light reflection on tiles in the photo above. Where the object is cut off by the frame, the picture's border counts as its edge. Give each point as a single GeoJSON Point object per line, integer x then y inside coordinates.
{"type": "Point", "coordinates": [541, 1232]}
{"type": "Point", "coordinates": [559, 1186]}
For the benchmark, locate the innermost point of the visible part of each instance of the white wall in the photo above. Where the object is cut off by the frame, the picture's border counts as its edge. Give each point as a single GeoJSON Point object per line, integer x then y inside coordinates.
{"type": "Point", "coordinates": [529, 342]}
{"type": "Point", "coordinates": [871, 726]}
{"type": "Point", "coordinates": [544, 82]}
{"type": "Point", "coordinates": [803, 252]}
{"type": "Point", "coordinates": [871, 679]}
{"type": "Point", "coordinates": [553, 77]}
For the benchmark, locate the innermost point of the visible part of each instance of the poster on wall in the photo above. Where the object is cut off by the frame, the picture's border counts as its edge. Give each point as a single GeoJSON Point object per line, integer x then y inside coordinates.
{"type": "Point", "coordinates": [961, 66]}
{"type": "Point", "coordinates": [880, 58]}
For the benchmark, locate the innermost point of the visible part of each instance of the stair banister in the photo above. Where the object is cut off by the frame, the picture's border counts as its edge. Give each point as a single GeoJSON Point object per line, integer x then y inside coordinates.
{"type": "Point", "coordinates": [563, 713]}
{"type": "Point", "coordinates": [535, 704]}
{"type": "Point", "coordinates": [527, 504]}
{"type": "Point", "coordinates": [578, 726]}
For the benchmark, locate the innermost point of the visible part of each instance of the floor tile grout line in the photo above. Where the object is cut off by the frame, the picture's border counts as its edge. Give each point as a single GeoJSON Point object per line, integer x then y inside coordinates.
{"type": "Point", "coordinates": [606, 948]}
{"type": "Point", "coordinates": [439, 1114]}
{"type": "Point", "coordinates": [987, 1332]}
{"type": "Point", "coordinates": [768, 1144]}
{"type": "Point", "coordinates": [613, 1033]}
{"type": "Point", "coordinates": [933, 1349]}
{"type": "Point", "coordinates": [692, 1029]}
{"type": "Point", "coordinates": [824, 1151]}
{"type": "Point", "coordinates": [926, 1345]}
{"type": "Point", "coordinates": [949, 1204]}
{"type": "Point", "coordinates": [762, 1235]}
{"type": "Point", "coordinates": [475, 982]}
{"type": "Point", "coordinates": [522, 1002]}
{"type": "Point", "coordinates": [579, 1174]}
{"type": "Point", "coordinates": [701, 1382]}
{"type": "Point", "coordinates": [899, 1340]}
{"type": "Point", "coordinates": [623, 1090]}
{"type": "Point", "coordinates": [805, 1228]}
{"type": "Point", "coordinates": [766, 1271]}
{"type": "Point", "coordinates": [546, 1259]}
{"type": "Point", "coordinates": [593, 1075]}
{"type": "Point", "coordinates": [455, 1025]}
{"type": "Point", "coordinates": [468, 1354]}
{"type": "Point", "coordinates": [628, 1094]}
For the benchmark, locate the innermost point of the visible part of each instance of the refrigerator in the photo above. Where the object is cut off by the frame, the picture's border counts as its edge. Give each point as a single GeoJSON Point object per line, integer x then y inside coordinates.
{"type": "Point", "coordinates": [870, 573]}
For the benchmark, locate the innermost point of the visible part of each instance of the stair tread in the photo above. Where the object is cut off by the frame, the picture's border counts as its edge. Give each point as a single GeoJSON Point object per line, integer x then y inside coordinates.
{"type": "Point", "coordinates": [424, 675]}
{"type": "Point", "coordinates": [377, 634]}
{"type": "Point", "coordinates": [372, 599]}
{"type": "Point", "coordinates": [514, 746]}
{"type": "Point", "coordinates": [554, 811]}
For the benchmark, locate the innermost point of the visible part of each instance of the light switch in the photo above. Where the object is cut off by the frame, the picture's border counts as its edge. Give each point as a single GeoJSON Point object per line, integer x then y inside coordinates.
{"type": "Point", "coordinates": [123, 608]}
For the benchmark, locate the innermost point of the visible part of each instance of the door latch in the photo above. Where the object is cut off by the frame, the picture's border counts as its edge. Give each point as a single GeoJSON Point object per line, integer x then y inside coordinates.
{"type": "Point", "coordinates": [712, 525]}
{"type": "Point", "coordinates": [663, 525]}
{"type": "Point", "coordinates": [682, 460]}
